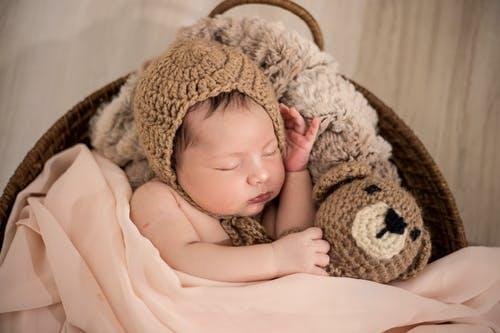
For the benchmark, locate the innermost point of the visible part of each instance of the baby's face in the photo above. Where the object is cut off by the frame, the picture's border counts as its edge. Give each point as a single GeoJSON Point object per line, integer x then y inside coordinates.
{"type": "Point", "coordinates": [236, 159]}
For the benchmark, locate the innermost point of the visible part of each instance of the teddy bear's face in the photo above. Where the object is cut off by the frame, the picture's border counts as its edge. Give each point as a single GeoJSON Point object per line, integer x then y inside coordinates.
{"type": "Point", "coordinates": [374, 227]}
{"type": "Point", "coordinates": [383, 224]}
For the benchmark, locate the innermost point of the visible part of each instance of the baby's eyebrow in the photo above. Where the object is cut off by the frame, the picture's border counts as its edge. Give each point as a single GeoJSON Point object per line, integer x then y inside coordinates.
{"type": "Point", "coordinates": [236, 153]}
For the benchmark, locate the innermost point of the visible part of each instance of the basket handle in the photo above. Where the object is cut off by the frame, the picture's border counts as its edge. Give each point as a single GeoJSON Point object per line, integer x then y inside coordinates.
{"type": "Point", "coordinates": [285, 4]}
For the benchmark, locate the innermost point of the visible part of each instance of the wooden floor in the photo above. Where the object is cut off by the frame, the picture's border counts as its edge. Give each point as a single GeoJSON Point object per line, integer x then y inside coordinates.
{"type": "Point", "coordinates": [436, 62]}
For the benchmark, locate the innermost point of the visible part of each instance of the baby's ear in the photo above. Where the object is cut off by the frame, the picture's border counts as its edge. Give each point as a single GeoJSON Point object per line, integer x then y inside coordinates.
{"type": "Point", "coordinates": [338, 176]}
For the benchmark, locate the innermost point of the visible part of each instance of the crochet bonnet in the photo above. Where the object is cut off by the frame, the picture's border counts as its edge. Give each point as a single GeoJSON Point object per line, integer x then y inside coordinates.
{"type": "Point", "coordinates": [191, 71]}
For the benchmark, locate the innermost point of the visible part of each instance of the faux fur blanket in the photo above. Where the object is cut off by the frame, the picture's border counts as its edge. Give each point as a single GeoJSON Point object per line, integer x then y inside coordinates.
{"type": "Point", "coordinates": [302, 76]}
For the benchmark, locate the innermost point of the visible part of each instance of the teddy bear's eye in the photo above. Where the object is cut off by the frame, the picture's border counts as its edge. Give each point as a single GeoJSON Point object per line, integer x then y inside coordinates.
{"type": "Point", "coordinates": [372, 189]}
{"type": "Point", "coordinates": [414, 234]}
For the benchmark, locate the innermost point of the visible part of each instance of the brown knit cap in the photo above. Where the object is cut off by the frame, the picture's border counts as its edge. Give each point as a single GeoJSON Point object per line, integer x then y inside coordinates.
{"type": "Point", "coordinates": [191, 71]}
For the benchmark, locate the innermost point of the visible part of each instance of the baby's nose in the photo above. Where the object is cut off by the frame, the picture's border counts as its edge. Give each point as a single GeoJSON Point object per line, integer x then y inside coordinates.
{"type": "Point", "coordinates": [260, 178]}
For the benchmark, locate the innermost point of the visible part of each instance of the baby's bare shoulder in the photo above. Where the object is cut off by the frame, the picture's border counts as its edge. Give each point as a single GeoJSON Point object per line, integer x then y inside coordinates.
{"type": "Point", "coordinates": [151, 197]}
{"type": "Point", "coordinates": [156, 213]}
{"type": "Point", "coordinates": [150, 188]}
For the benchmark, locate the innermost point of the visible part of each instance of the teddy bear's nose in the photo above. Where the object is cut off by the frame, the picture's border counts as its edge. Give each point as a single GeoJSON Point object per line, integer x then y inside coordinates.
{"type": "Point", "coordinates": [393, 223]}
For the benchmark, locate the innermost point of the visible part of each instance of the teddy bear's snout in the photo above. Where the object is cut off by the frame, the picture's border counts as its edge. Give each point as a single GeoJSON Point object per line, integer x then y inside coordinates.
{"type": "Point", "coordinates": [379, 230]}
{"type": "Point", "coordinates": [393, 223]}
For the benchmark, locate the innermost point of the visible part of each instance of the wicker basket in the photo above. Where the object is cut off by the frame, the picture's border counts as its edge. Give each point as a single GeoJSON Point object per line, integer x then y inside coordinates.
{"type": "Point", "coordinates": [419, 173]}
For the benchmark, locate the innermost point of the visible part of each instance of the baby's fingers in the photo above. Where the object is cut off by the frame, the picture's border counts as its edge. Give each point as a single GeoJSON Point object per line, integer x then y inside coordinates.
{"type": "Point", "coordinates": [322, 260]}
{"type": "Point", "coordinates": [314, 232]}
{"type": "Point", "coordinates": [318, 271]}
{"type": "Point", "coordinates": [298, 139]}
{"type": "Point", "coordinates": [312, 131]}
{"type": "Point", "coordinates": [293, 119]}
{"type": "Point", "coordinates": [322, 246]}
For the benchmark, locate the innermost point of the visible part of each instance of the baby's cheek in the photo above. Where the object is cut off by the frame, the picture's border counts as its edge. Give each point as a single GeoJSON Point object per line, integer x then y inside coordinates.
{"type": "Point", "coordinates": [224, 184]}
{"type": "Point", "coordinates": [279, 174]}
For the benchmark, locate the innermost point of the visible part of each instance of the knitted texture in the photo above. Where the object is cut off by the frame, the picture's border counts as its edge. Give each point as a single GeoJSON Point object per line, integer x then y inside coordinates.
{"type": "Point", "coordinates": [374, 226]}
{"type": "Point", "coordinates": [191, 71]}
{"type": "Point", "coordinates": [244, 230]}
{"type": "Point", "coordinates": [302, 76]}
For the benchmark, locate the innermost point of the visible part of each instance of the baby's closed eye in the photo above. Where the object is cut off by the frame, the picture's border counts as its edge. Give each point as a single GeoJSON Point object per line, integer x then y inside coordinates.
{"type": "Point", "coordinates": [233, 166]}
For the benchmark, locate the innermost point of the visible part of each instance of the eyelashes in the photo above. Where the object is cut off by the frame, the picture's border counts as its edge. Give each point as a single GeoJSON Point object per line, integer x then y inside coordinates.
{"type": "Point", "coordinates": [226, 169]}
{"type": "Point", "coordinates": [233, 168]}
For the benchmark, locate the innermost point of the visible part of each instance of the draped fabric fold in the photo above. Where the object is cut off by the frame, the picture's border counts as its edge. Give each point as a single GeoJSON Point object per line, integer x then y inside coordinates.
{"type": "Point", "coordinates": [73, 261]}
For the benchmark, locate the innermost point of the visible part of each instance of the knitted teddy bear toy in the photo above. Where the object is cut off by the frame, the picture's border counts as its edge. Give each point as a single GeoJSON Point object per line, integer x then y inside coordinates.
{"type": "Point", "coordinates": [374, 226]}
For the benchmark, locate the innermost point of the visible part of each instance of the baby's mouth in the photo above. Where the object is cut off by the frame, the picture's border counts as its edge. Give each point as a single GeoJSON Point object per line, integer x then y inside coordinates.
{"type": "Point", "coordinates": [261, 198]}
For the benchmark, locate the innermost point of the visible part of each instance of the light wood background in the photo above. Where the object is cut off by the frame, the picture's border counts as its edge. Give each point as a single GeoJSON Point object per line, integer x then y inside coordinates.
{"type": "Point", "coordinates": [436, 62]}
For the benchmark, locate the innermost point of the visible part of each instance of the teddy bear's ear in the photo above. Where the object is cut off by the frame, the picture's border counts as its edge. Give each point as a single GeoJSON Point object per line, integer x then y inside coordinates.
{"type": "Point", "coordinates": [420, 260]}
{"type": "Point", "coordinates": [338, 176]}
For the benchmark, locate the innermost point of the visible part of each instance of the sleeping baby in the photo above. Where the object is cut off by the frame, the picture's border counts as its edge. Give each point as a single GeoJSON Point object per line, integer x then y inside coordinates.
{"type": "Point", "coordinates": [221, 146]}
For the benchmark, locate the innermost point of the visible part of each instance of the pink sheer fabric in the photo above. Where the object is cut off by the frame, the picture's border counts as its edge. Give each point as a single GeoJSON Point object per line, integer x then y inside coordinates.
{"type": "Point", "coordinates": [73, 261]}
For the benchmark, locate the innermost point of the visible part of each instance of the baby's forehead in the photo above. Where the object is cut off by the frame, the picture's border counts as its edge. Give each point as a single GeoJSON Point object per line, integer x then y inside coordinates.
{"type": "Point", "coordinates": [217, 130]}
{"type": "Point", "coordinates": [229, 114]}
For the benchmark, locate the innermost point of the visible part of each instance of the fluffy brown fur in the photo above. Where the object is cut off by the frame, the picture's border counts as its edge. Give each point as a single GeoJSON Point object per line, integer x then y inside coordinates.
{"type": "Point", "coordinates": [302, 76]}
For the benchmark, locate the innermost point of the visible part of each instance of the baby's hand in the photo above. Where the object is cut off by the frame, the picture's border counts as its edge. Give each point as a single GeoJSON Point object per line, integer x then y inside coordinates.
{"type": "Point", "coordinates": [301, 252]}
{"type": "Point", "coordinates": [300, 138]}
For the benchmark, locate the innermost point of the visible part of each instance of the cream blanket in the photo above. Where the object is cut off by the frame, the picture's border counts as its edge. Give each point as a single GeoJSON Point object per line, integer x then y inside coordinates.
{"type": "Point", "coordinates": [72, 261]}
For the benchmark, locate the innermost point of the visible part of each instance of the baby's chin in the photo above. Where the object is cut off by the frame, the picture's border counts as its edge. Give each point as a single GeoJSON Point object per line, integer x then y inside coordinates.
{"type": "Point", "coordinates": [249, 210]}
{"type": "Point", "coordinates": [255, 209]}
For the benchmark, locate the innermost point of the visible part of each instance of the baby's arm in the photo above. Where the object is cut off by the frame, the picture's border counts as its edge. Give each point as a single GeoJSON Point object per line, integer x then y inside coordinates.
{"type": "Point", "coordinates": [296, 206]}
{"type": "Point", "coordinates": [156, 214]}
{"type": "Point", "coordinates": [227, 263]}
